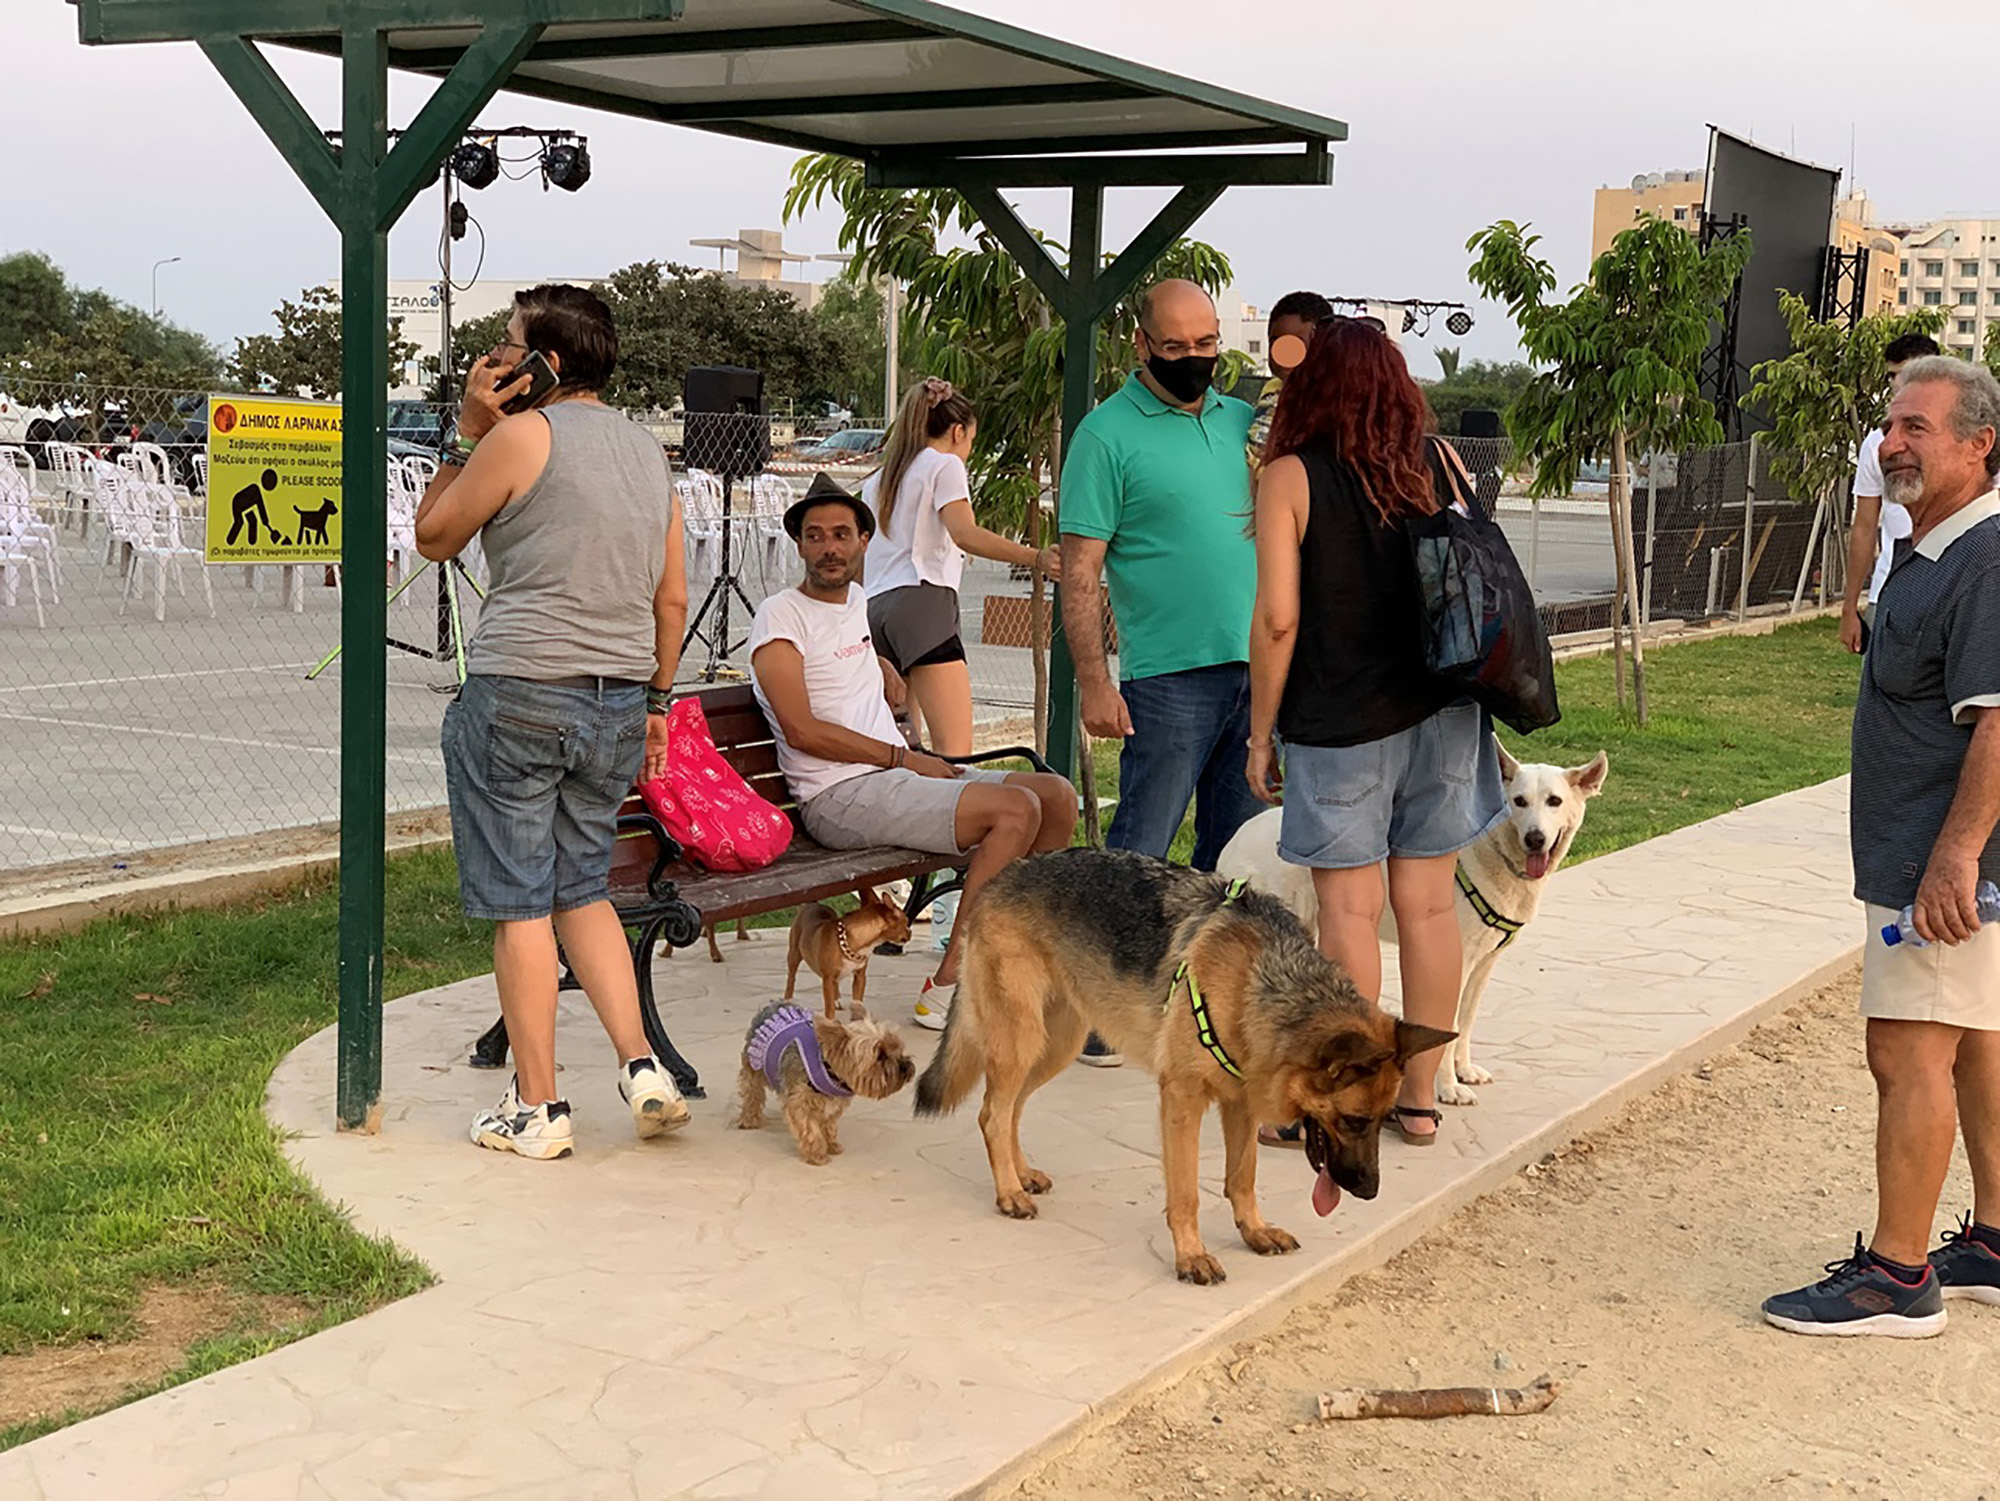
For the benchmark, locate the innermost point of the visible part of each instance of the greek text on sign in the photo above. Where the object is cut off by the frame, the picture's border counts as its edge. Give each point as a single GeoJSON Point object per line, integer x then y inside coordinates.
{"type": "Point", "coordinates": [273, 480]}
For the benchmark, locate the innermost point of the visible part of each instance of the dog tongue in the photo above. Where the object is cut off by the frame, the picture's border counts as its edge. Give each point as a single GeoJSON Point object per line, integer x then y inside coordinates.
{"type": "Point", "coordinates": [1326, 1194]}
{"type": "Point", "coordinates": [1538, 865]}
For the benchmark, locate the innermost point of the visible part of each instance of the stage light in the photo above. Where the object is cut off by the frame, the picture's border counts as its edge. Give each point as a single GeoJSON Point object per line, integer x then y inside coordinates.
{"type": "Point", "coordinates": [1409, 319]}
{"type": "Point", "coordinates": [475, 165]}
{"type": "Point", "coordinates": [567, 164]}
{"type": "Point", "coordinates": [1460, 323]}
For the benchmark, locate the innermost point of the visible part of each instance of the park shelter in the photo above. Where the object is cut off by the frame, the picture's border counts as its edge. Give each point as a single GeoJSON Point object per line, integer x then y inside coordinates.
{"type": "Point", "coordinates": [926, 96]}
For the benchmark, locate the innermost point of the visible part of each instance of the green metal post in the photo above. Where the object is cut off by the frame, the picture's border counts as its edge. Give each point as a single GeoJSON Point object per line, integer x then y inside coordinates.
{"type": "Point", "coordinates": [364, 389]}
{"type": "Point", "coordinates": [1086, 246]}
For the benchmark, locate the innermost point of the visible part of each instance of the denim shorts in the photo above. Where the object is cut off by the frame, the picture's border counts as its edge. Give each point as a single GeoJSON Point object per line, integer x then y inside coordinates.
{"type": "Point", "coordinates": [535, 773]}
{"type": "Point", "coordinates": [1426, 791]}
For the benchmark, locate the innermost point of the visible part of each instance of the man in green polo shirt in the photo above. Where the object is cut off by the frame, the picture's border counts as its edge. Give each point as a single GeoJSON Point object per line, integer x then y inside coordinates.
{"type": "Point", "coordinates": [1156, 497]}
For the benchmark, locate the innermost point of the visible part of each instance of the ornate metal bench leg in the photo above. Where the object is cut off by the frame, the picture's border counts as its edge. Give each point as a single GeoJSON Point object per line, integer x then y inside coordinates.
{"type": "Point", "coordinates": [491, 1049]}
{"type": "Point", "coordinates": [680, 928]}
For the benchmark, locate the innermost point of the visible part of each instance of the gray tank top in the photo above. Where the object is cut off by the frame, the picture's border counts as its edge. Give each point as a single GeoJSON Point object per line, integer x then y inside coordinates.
{"type": "Point", "coordinates": [575, 560]}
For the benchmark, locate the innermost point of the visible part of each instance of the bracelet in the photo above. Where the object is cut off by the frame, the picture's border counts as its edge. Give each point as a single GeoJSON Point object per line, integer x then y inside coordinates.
{"type": "Point", "coordinates": [659, 700]}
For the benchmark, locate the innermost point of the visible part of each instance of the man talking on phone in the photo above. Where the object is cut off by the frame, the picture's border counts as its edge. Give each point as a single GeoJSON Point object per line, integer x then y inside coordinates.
{"type": "Point", "coordinates": [568, 676]}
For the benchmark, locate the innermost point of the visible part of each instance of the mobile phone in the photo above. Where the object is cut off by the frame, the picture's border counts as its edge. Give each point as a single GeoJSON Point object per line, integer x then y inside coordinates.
{"type": "Point", "coordinates": [542, 379]}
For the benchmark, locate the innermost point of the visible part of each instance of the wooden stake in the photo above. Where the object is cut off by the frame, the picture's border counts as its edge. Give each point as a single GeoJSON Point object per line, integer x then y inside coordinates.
{"type": "Point", "coordinates": [1438, 1402]}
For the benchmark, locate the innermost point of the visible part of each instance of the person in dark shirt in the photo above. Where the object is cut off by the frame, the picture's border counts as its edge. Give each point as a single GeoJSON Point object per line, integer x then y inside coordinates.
{"type": "Point", "coordinates": [1382, 760]}
{"type": "Point", "coordinates": [1924, 803]}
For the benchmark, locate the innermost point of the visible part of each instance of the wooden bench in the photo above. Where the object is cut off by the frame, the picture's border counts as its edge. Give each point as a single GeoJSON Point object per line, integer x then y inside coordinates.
{"type": "Point", "coordinates": [662, 897]}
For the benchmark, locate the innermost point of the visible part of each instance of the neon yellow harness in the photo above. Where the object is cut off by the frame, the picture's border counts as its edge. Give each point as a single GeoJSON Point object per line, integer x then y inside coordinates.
{"type": "Point", "coordinates": [1482, 909]}
{"type": "Point", "coordinates": [1204, 1025]}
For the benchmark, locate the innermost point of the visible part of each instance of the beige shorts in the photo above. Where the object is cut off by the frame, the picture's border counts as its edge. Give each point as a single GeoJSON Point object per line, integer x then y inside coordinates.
{"type": "Point", "coordinates": [895, 807]}
{"type": "Point", "coordinates": [1956, 985]}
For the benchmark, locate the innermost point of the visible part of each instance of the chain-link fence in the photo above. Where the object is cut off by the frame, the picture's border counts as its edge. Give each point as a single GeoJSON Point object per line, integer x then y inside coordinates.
{"type": "Point", "coordinates": [148, 699]}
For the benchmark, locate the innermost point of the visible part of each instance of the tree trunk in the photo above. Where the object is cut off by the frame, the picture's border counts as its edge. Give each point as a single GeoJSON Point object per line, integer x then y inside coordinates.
{"type": "Point", "coordinates": [1628, 570]}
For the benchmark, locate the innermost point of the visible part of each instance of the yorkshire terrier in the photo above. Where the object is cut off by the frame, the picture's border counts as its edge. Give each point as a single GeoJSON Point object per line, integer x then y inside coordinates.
{"type": "Point", "coordinates": [831, 946]}
{"type": "Point", "coordinates": [816, 1064]}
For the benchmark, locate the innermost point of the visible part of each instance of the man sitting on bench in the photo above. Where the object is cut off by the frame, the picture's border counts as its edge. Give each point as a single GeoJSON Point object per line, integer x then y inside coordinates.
{"type": "Point", "coordinates": [817, 679]}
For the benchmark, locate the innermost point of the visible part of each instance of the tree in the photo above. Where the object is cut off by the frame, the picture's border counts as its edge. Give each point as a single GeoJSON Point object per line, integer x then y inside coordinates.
{"type": "Point", "coordinates": [303, 357]}
{"type": "Point", "coordinates": [973, 317]}
{"type": "Point", "coordinates": [52, 331]}
{"type": "Point", "coordinates": [1618, 366]}
{"type": "Point", "coordinates": [1480, 384]}
{"type": "Point", "coordinates": [1823, 398]}
{"type": "Point", "coordinates": [36, 303]}
{"type": "Point", "coordinates": [850, 319]}
{"type": "Point", "coordinates": [672, 317]}
{"type": "Point", "coordinates": [1991, 354]}
{"type": "Point", "coordinates": [1448, 359]}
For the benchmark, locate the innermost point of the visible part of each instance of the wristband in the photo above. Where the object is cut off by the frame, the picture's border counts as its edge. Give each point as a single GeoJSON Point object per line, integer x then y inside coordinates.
{"type": "Point", "coordinates": [659, 700]}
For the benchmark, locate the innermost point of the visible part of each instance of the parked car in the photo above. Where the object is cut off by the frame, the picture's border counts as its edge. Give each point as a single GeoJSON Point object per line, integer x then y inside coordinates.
{"type": "Point", "coordinates": [416, 422]}
{"type": "Point", "coordinates": [15, 418]}
{"type": "Point", "coordinates": [182, 432]}
{"type": "Point", "coordinates": [851, 445]}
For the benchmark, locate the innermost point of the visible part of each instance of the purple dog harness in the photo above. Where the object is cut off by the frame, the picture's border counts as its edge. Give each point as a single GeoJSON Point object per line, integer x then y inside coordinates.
{"type": "Point", "coordinates": [792, 1027]}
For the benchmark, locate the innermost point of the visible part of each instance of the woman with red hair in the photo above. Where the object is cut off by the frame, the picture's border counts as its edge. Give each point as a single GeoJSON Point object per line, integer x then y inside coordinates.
{"type": "Point", "coordinates": [1382, 760]}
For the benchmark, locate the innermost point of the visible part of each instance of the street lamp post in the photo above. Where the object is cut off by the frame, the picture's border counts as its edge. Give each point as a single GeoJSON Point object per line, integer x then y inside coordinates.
{"type": "Point", "coordinates": [170, 260]}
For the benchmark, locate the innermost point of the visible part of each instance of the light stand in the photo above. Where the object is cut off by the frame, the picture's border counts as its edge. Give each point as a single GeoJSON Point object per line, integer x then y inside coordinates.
{"type": "Point", "coordinates": [726, 433]}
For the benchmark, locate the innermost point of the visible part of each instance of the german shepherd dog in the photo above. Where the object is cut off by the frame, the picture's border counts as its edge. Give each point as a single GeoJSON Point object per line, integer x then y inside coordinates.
{"type": "Point", "coordinates": [1151, 956]}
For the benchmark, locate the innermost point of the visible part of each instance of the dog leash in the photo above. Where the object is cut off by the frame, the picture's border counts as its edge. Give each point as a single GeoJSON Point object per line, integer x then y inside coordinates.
{"type": "Point", "coordinates": [1482, 909]}
{"type": "Point", "coordinates": [1204, 1025]}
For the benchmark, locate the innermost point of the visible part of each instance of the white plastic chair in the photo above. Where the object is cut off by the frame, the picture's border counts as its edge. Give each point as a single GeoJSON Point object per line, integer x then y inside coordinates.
{"type": "Point", "coordinates": [770, 498]}
{"type": "Point", "coordinates": [13, 563]}
{"type": "Point", "coordinates": [701, 514]}
{"type": "Point", "coordinates": [23, 532]}
{"type": "Point", "coordinates": [156, 516]}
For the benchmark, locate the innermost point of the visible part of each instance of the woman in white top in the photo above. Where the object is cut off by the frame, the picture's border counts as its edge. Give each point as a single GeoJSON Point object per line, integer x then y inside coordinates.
{"type": "Point", "coordinates": [922, 501]}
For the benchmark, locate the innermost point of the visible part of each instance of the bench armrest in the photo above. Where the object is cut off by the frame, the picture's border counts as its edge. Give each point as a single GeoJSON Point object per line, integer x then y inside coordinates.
{"type": "Point", "coordinates": [667, 849]}
{"type": "Point", "coordinates": [1005, 753]}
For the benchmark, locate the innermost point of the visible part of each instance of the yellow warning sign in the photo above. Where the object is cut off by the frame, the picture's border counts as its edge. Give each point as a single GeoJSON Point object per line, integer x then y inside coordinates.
{"type": "Point", "coordinates": [273, 480]}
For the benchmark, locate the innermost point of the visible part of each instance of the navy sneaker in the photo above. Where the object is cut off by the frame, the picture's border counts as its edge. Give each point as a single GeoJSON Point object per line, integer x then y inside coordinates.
{"type": "Point", "coordinates": [1860, 1296]}
{"type": "Point", "coordinates": [1100, 1054]}
{"type": "Point", "coordinates": [1965, 1267]}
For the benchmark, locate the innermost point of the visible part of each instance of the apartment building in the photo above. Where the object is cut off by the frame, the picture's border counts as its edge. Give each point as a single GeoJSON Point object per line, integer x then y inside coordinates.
{"type": "Point", "coordinates": [1954, 265]}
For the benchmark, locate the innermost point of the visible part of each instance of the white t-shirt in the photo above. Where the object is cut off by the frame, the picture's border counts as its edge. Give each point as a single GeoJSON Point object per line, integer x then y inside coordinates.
{"type": "Point", "coordinates": [1895, 523]}
{"type": "Point", "coordinates": [915, 548]}
{"type": "Point", "coordinates": [843, 682]}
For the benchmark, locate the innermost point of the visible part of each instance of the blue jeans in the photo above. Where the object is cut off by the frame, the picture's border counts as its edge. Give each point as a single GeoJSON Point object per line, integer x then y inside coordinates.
{"type": "Point", "coordinates": [535, 773]}
{"type": "Point", "coordinates": [1189, 731]}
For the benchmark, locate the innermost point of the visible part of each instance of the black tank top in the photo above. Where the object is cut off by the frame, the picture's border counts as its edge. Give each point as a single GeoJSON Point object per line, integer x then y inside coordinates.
{"type": "Point", "coordinates": [1358, 670]}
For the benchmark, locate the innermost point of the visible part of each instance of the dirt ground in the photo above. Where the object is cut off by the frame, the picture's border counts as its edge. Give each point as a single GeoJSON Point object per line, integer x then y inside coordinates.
{"type": "Point", "coordinates": [95, 1374]}
{"type": "Point", "coordinates": [1630, 1267]}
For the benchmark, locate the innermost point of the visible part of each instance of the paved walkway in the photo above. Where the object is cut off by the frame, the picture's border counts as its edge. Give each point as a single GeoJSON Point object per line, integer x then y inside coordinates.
{"type": "Point", "coordinates": [705, 1316]}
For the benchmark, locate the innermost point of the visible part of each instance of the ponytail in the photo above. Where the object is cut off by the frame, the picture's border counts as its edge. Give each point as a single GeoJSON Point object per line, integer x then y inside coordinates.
{"type": "Point", "coordinates": [931, 410]}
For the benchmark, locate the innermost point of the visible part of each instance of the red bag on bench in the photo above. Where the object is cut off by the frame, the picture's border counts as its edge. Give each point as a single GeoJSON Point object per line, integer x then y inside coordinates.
{"type": "Point", "coordinates": [710, 810]}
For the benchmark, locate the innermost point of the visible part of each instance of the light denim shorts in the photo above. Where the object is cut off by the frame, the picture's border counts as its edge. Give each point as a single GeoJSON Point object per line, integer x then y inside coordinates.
{"type": "Point", "coordinates": [892, 806]}
{"type": "Point", "coordinates": [1429, 790]}
{"type": "Point", "coordinates": [535, 773]}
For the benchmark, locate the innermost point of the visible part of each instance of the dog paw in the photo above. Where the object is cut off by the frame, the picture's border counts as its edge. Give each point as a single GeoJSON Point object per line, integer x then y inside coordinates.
{"type": "Point", "coordinates": [1017, 1206]}
{"type": "Point", "coordinates": [1270, 1241]}
{"type": "Point", "coordinates": [1471, 1073]}
{"type": "Point", "coordinates": [1203, 1270]}
{"type": "Point", "coordinates": [1455, 1094]}
{"type": "Point", "coordinates": [813, 1159]}
{"type": "Point", "coordinates": [835, 1148]}
{"type": "Point", "coordinates": [1036, 1181]}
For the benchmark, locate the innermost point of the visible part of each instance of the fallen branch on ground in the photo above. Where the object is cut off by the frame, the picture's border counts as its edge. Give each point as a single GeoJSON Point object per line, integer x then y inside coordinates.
{"type": "Point", "coordinates": [1438, 1402]}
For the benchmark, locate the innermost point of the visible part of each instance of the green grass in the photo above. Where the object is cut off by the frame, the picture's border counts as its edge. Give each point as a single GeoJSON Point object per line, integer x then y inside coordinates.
{"type": "Point", "coordinates": [133, 1146]}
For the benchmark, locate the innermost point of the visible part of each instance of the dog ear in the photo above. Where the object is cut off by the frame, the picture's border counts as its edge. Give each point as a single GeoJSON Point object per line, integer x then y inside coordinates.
{"type": "Point", "coordinates": [856, 1012]}
{"type": "Point", "coordinates": [1588, 779]}
{"type": "Point", "coordinates": [1351, 1055]}
{"type": "Point", "coordinates": [1509, 767]}
{"type": "Point", "coordinates": [1413, 1038]}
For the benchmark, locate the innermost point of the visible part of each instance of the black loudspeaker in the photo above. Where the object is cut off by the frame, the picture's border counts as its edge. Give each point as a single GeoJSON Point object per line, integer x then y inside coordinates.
{"type": "Point", "coordinates": [727, 430]}
{"type": "Point", "coordinates": [1477, 422]}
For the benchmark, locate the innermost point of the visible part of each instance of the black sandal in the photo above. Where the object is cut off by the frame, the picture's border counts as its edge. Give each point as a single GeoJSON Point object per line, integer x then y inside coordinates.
{"type": "Point", "coordinates": [1397, 1113]}
{"type": "Point", "coordinates": [1293, 1135]}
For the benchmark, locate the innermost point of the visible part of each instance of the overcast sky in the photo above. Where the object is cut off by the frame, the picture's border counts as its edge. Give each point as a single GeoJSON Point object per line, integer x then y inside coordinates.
{"type": "Point", "coordinates": [1458, 114]}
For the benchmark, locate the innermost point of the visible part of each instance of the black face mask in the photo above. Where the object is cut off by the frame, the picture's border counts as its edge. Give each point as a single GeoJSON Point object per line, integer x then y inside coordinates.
{"type": "Point", "coordinates": [1183, 379]}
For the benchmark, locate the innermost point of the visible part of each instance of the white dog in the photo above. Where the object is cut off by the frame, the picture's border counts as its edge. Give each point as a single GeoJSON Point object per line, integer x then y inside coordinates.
{"type": "Point", "coordinates": [1500, 883]}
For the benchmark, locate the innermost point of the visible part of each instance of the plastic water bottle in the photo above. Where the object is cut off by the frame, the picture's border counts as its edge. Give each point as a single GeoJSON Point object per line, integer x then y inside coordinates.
{"type": "Point", "coordinates": [944, 913]}
{"type": "Point", "coordinates": [1904, 928]}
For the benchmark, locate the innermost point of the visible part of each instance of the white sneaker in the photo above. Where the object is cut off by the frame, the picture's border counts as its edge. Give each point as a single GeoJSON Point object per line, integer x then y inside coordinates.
{"type": "Point", "coordinates": [649, 1089]}
{"type": "Point", "coordinates": [933, 1006]}
{"type": "Point", "coordinates": [542, 1133]}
